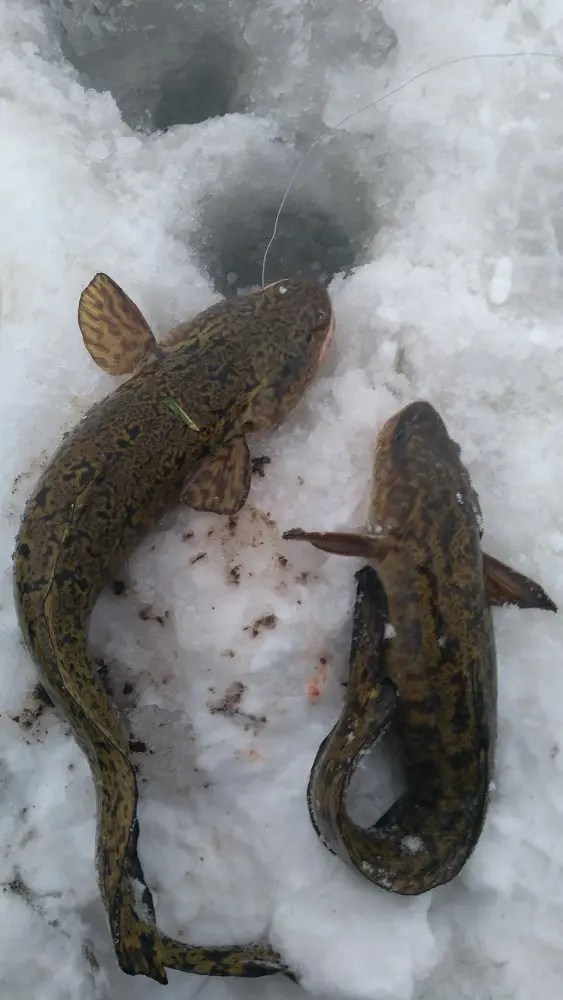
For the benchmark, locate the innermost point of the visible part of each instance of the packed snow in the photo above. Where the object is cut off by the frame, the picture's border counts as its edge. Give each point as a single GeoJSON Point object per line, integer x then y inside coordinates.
{"type": "Point", "coordinates": [448, 199]}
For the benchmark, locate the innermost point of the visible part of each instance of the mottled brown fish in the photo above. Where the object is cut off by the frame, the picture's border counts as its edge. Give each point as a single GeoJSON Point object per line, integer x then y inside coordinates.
{"type": "Point", "coordinates": [435, 678]}
{"type": "Point", "coordinates": [174, 431]}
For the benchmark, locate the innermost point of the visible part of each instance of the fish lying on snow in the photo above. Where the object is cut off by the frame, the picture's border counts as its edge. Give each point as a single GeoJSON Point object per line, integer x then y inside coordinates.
{"type": "Point", "coordinates": [435, 678]}
{"type": "Point", "coordinates": [174, 431]}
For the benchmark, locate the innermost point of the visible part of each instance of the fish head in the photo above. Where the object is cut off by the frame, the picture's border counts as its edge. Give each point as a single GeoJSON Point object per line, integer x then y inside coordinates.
{"type": "Point", "coordinates": [419, 466]}
{"type": "Point", "coordinates": [291, 335]}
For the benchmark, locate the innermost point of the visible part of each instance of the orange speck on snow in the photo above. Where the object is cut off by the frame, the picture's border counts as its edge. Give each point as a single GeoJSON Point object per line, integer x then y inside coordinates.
{"type": "Point", "coordinates": [317, 683]}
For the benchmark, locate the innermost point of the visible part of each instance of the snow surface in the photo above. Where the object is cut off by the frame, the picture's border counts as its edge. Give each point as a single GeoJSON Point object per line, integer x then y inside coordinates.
{"type": "Point", "coordinates": [454, 189]}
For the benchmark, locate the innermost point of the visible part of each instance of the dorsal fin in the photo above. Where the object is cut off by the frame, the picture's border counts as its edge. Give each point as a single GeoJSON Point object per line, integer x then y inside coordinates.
{"type": "Point", "coordinates": [115, 332]}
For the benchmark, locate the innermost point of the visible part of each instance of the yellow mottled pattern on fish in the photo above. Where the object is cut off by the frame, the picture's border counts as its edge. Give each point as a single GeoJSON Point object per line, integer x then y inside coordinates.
{"type": "Point", "coordinates": [434, 678]}
{"type": "Point", "coordinates": [238, 366]}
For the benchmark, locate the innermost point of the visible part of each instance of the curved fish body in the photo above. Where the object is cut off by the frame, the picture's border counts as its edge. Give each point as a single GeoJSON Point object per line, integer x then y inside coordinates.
{"type": "Point", "coordinates": [173, 432]}
{"type": "Point", "coordinates": [434, 677]}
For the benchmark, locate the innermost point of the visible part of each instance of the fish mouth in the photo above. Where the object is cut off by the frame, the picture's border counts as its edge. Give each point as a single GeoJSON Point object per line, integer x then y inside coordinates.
{"type": "Point", "coordinates": [329, 335]}
{"type": "Point", "coordinates": [272, 284]}
{"type": "Point", "coordinates": [328, 340]}
{"type": "Point", "coordinates": [420, 417]}
{"type": "Point", "coordinates": [386, 435]}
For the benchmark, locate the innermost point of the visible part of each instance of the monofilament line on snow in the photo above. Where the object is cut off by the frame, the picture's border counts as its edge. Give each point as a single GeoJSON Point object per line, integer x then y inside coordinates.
{"type": "Point", "coordinates": [372, 104]}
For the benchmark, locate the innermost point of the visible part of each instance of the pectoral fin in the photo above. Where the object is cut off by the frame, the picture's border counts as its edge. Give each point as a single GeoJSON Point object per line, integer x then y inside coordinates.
{"type": "Point", "coordinates": [346, 543]}
{"type": "Point", "coordinates": [505, 585]}
{"type": "Point", "coordinates": [114, 331]}
{"type": "Point", "coordinates": [222, 480]}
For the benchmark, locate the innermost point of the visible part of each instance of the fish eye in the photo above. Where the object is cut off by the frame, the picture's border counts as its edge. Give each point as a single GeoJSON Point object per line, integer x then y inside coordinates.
{"type": "Point", "coordinates": [401, 434]}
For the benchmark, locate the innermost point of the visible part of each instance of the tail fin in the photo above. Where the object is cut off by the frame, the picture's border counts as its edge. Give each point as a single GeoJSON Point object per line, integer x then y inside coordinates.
{"type": "Point", "coordinates": [139, 947]}
{"type": "Point", "coordinates": [413, 847]}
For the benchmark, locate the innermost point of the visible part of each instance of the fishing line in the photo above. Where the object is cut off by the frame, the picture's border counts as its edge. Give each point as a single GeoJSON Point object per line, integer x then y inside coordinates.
{"type": "Point", "coordinates": [199, 989]}
{"type": "Point", "coordinates": [326, 136]}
